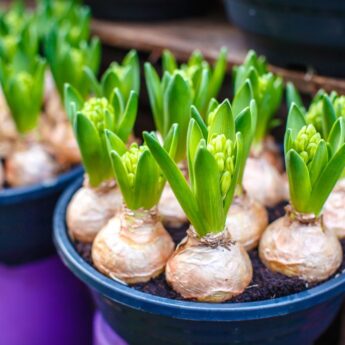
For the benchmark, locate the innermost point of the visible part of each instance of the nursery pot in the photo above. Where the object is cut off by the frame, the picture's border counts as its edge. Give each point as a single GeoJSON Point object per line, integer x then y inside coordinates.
{"type": "Point", "coordinates": [296, 319]}
{"type": "Point", "coordinates": [146, 10]}
{"type": "Point", "coordinates": [294, 34]}
{"type": "Point", "coordinates": [41, 302]}
{"type": "Point", "coordinates": [26, 219]}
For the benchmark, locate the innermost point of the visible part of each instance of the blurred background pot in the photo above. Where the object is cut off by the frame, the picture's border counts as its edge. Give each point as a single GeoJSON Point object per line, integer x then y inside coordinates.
{"type": "Point", "coordinates": [294, 34]}
{"type": "Point", "coordinates": [296, 319]}
{"type": "Point", "coordinates": [40, 300]}
{"type": "Point", "coordinates": [147, 10]}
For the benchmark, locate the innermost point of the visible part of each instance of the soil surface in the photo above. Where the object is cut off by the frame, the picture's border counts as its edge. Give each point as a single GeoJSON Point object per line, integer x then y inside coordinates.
{"type": "Point", "coordinates": [265, 284]}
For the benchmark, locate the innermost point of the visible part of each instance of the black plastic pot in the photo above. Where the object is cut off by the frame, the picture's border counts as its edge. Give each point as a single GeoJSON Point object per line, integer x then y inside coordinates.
{"type": "Point", "coordinates": [26, 219]}
{"type": "Point", "coordinates": [146, 10]}
{"type": "Point", "coordinates": [143, 318]}
{"type": "Point", "coordinates": [294, 34]}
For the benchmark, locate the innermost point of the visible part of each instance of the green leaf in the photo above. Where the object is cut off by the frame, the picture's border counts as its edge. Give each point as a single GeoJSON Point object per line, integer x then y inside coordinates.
{"type": "Point", "coordinates": [327, 180]}
{"type": "Point", "coordinates": [244, 125]}
{"type": "Point", "coordinates": [200, 99]}
{"type": "Point", "coordinates": [118, 104]}
{"type": "Point", "coordinates": [155, 93]}
{"type": "Point", "coordinates": [199, 120]}
{"type": "Point", "coordinates": [336, 137]}
{"type": "Point", "coordinates": [177, 182]}
{"type": "Point", "coordinates": [236, 175]}
{"type": "Point", "coordinates": [146, 189]}
{"type": "Point", "coordinates": [329, 116]}
{"type": "Point", "coordinates": [93, 82]}
{"type": "Point", "coordinates": [242, 98]}
{"type": "Point", "coordinates": [299, 182]}
{"type": "Point", "coordinates": [128, 120]}
{"type": "Point", "coordinates": [293, 96]}
{"type": "Point", "coordinates": [171, 140]}
{"type": "Point", "coordinates": [207, 190]}
{"type": "Point", "coordinates": [178, 112]}
{"type": "Point", "coordinates": [121, 178]}
{"type": "Point", "coordinates": [223, 122]}
{"type": "Point", "coordinates": [295, 120]}
{"type": "Point", "coordinates": [319, 162]}
{"type": "Point", "coordinates": [109, 82]}
{"type": "Point", "coordinates": [115, 143]}
{"type": "Point", "coordinates": [218, 74]}
{"type": "Point", "coordinates": [169, 62]}
{"type": "Point", "coordinates": [194, 135]}
{"type": "Point", "coordinates": [90, 146]}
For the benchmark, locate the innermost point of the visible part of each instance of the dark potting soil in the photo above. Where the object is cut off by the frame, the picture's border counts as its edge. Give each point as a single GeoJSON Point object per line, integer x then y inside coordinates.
{"type": "Point", "coordinates": [265, 284]}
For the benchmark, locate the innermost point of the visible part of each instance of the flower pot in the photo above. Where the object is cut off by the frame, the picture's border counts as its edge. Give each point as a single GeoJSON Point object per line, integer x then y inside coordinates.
{"type": "Point", "coordinates": [40, 300]}
{"type": "Point", "coordinates": [294, 34]}
{"type": "Point", "coordinates": [42, 303]}
{"type": "Point", "coordinates": [146, 10]}
{"type": "Point", "coordinates": [296, 319]}
{"type": "Point", "coordinates": [26, 219]}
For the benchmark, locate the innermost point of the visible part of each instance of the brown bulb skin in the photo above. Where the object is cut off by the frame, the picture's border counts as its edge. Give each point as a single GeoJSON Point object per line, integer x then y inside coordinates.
{"type": "Point", "coordinates": [263, 182]}
{"type": "Point", "coordinates": [133, 247]}
{"type": "Point", "coordinates": [246, 221]}
{"type": "Point", "coordinates": [305, 250]}
{"type": "Point", "coordinates": [90, 210]}
{"type": "Point", "coordinates": [209, 272]}
{"type": "Point", "coordinates": [170, 210]}
{"type": "Point", "coordinates": [334, 210]}
{"type": "Point", "coordinates": [30, 165]}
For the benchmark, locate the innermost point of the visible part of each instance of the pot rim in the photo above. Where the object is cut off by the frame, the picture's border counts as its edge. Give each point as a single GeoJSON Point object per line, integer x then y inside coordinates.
{"type": "Point", "coordinates": [38, 190]}
{"type": "Point", "coordinates": [187, 310]}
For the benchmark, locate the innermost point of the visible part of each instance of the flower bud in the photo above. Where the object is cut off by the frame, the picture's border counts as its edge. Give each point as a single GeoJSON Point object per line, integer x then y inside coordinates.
{"type": "Point", "coordinates": [339, 106]}
{"type": "Point", "coordinates": [95, 109]}
{"type": "Point", "coordinates": [225, 183]}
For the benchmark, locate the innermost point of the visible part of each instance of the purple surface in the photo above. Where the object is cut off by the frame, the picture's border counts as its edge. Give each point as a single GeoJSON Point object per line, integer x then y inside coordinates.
{"type": "Point", "coordinates": [42, 303]}
{"type": "Point", "coordinates": [103, 334]}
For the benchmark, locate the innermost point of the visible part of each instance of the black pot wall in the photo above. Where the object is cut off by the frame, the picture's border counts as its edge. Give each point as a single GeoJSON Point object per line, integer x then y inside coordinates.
{"type": "Point", "coordinates": [147, 10]}
{"type": "Point", "coordinates": [295, 34]}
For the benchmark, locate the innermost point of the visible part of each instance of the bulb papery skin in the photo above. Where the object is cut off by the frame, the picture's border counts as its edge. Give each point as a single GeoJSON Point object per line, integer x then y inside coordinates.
{"type": "Point", "coordinates": [90, 210]}
{"type": "Point", "coordinates": [263, 182]}
{"type": "Point", "coordinates": [133, 247]}
{"type": "Point", "coordinates": [62, 143]}
{"type": "Point", "coordinates": [303, 249]}
{"type": "Point", "coordinates": [334, 210]}
{"type": "Point", "coordinates": [246, 221]}
{"type": "Point", "coordinates": [270, 151]}
{"type": "Point", "coordinates": [30, 165]}
{"type": "Point", "coordinates": [170, 210]}
{"type": "Point", "coordinates": [8, 132]}
{"type": "Point", "coordinates": [207, 271]}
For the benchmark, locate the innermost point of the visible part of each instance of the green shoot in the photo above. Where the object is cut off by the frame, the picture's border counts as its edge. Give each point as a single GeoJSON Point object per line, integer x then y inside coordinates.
{"type": "Point", "coordinates": [313, 163]}
{"type": "Point", "coordinates": [267, 90]}
{"type": "Point", "coordinates": [22, 82]}
{"type": "Point", "coordinates": [124, 76]}
{"type": "Point", "coordinates": [214, 157]}
{"type": "Point", "coordinates": [194, 83]}
{"type": "Point", "coordinates": [137, 173]}
{"type": "Point", "coordinates": [67, 62]}
{"type": "Point", "coordinates": [91, 118]}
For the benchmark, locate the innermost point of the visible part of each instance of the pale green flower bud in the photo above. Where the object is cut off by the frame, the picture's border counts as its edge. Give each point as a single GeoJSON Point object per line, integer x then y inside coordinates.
{"type": "Point", "coordinates": [95, 108]}
{"type": "Point", "coordinates": [225, 183]}
{"type": "Point", "coordinates": [339, 106]}
{"type": "Point", "coordinates": [314, 115]}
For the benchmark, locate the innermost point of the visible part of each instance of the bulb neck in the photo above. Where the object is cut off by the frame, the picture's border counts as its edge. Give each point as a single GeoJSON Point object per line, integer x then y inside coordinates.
{"type": "Point", "coordinates": [303, 218]}
{"type": "Point", "coordinates": [213, 240]}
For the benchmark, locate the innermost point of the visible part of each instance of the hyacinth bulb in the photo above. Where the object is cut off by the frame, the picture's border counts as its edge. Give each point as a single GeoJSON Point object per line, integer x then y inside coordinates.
{"type": "Point", "coordinates": [8, 132]}
{"type": "Point", "coordinates": [90, 210]}
{"type": "Point", "coordinates": [133, 247]}
{"type": "Point", "coordinates": [29, 165]}
{"type": "Point", "coordinates": [263, 182]}
{"type": "Point", "coordinates": [246, 221]}
{"type": "Point", "coordinates": [210, 269]}
{"type": "Point", "coordinates": [170, 210]}
{"type": "Point", "coordinates": [300, 246]}
{"type": "Point", "coordinates": [63, 144]}
{"type": "Point", "coordinates": [334, 210]}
